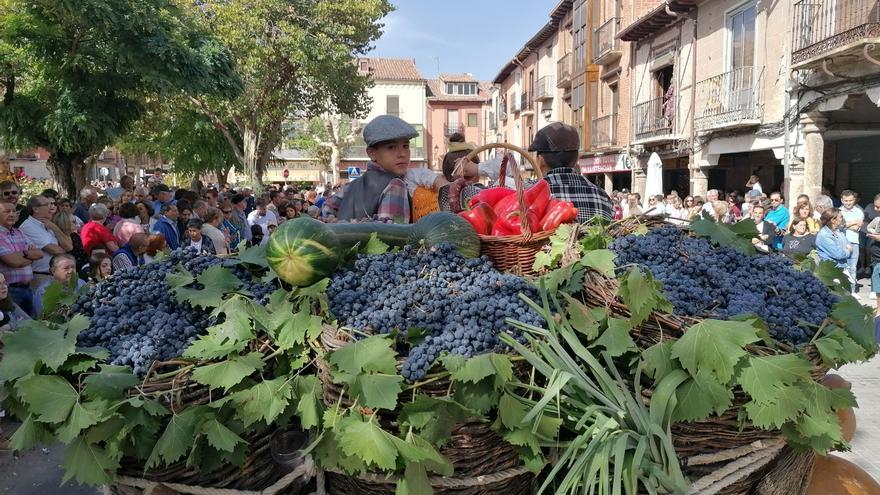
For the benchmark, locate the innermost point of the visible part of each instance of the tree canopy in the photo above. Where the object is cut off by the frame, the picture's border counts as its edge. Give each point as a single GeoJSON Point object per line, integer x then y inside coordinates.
{"type": "Point", "coordinates": [75, 73]}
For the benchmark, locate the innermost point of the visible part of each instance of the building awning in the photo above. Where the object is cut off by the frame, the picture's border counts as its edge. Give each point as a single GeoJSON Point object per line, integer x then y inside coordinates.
{"type": "Point", "coordinates": [657, 20]}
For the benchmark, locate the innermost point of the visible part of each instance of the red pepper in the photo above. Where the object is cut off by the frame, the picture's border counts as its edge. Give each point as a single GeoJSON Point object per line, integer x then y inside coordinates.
{"type": "Point", "coordinates": [511, 224]}
{"type": "Point", "coordinates": [558, 213]}
{"type": "Point", "coordinates": [491, 196]}
{"type": "Point", "coordinates": [481, 218]}
{"type": "Point", "coordinates": [506, 206]}
{"type": "Point", "coordinates": [537, 197]}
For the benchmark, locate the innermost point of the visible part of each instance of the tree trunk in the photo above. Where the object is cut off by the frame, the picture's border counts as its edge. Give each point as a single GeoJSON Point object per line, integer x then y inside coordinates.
{"type": "Point", "coordinates": [335, 158]}
{"type": "Point", "coordinates": [251, 148]}
{"type": "Point", "coordinates": [221, 173]}
{"type": "Point", "coordinates": [68, 173]}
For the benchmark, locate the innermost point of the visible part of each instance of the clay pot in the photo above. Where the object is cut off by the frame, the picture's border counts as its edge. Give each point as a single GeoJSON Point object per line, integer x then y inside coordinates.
{"type": "Point", "coordinates": [835, 381]}
{"type": "Point", "coordinates": [847, 419]}
{"type": "Point", "coordinates": [834, 475]}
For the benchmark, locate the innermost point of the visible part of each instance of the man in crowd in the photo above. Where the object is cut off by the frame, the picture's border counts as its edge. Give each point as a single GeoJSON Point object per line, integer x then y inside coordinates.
{"type": "Point", "coordinates": [87, 197]}
{"type": "Point", "coordinates": [239, 217]}
{"type": "Point", "coordinates": [10, 193]}
{"type": "Point", "coordinates": [17, 254]}
{"type": "Point", "coordinates": [778, 214]}
{"type": "Point", "coordinates": [126, 183]}
{"type": "Point", "coordinates": [167, 225]}
{"type": "Point", "coordinates": [766, 229]}
{"type": "Point", "coordinates": [711, 196]}
{"type": "Point", "coordinates": [277, 200]}
{"type": "Point", "coordinates": [853, 218]}
{"type": "Point", "coordinates": [199, 209]}
{"type": "Point", "coordinates": [262, 217]}
{"type": "Point", "coordinates": [249, 199]}
{"type": "Point", "coordinates": [163, 196]}
{"type": "Point", "coordinates": [131, 254]}
{"type": "Point", "coordinates": [45, 235]}
{"type": "Point", "coordinates": [557, 148]}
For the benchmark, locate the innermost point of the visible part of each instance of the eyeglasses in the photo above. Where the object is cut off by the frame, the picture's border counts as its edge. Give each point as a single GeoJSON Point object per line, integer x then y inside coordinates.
{"type": "Point", "coordinates": [10, 193]}
{"type": "Point", "coordinates": [227, 212]}
{"type": "Point", "coordinates": [775, 200]}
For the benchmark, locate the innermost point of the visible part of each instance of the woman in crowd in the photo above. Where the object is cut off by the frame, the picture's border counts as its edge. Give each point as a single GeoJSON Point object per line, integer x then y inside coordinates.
{"type": "Point", "coordinates": [733, 200]}
{"type": "Point", "coordinates": [155, 246]}
{"type": "Point", "coordinates": [129, 225]}
{"type": "Point", "coordinates": [125, 197]}
{"type": "Point", "coordinates": [10, 314]}
{"type": "Point", "coordinates": [799, 240]}
{"type": "Point", "coordinates": [63, 271]}
{"type": "Point", "coordinates": [234, 232]}
{"type": "Point", "coordinates": [145, 215]}
{"type": "Point", "coordinates": [696, 207]}
{"type": "Point", "coordinates": [184, 213]}
{"type": "Point", "coordinates": [831, 243]}
{"type": "Point", "coordinates": [100, 267]}
{"type": "Point", "coordinates": [211, 229]}
{"type": "Point", "coordinates": [113, 218]}
{"type": "Point", "coordinates": [615, 203]}
{"type": "Point", "coordinates": [632, 206]}
{"type": "Point", "coordinates": [291, 211]}
{"type": "Point", "coordinates": [67, 222]}
{"type": "Point", "coordinates": [805, 211]}
{"type": "Point", "coordinates": [94, 234]}
{"type": "Point", "coordinates": [687, 206]}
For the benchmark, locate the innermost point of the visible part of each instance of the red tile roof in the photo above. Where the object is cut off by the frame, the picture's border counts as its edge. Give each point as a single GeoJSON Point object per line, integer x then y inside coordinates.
{"type": "Point", "coordinates": [437, 91]}
{"type": "Point", "coordinates": [390, 69]}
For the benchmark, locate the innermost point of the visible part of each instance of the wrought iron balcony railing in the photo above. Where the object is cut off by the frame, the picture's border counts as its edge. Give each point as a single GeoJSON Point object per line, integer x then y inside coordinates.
{"type": "Point", "coordinates": [729, 99]}
{"type": "Point", "coordinates": [563, 70]}
{"type": "Point", "coordinates": [654, 118]}
{"type": "Point", "coordinates": [606, 47]}
{"type": "Point", "coordinates": [604, 131]}
{"type": "Point", "coordinates": [545, 89]}
{"type": "Point", "coordinates": [823, 26]}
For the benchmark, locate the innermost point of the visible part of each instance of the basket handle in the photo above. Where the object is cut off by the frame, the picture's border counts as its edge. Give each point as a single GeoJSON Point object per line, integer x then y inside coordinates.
{"type": "Point", "coordinates": [517, 179]}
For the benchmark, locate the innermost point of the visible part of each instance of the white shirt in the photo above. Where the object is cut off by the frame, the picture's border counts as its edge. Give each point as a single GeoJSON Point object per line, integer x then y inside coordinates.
{"type": "Point", "coordinates": [41, 237]}
{"type": "Point", "coordinates": [757, 187]}
{"type": "Point", "coordinates": [217, 238]}
{"type": "Point", "coordinates": [197, 246]}
{"type": "Point", "coordinates": [263, 221]}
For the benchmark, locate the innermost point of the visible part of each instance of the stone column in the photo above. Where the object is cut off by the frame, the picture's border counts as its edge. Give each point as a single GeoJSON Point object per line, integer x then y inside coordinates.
{"type": "Point", "coordinates": [639, 177]}
{"type": "Point", "coordinates": [814, 144]}
{"type": "Point", "coordinates": [609, 183]}
{"type": "Point", "coordinates": [795, 186]}
{"type": "Point", "coordinates": [699, 181]}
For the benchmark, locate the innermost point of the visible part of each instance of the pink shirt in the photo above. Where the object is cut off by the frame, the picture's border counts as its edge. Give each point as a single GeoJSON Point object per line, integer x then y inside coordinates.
{"type": "Point", "coordinates": [125, 229]}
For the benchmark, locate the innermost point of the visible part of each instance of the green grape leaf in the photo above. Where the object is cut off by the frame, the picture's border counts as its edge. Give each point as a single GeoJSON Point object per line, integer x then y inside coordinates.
{"type": "Point", "coordinates": [35, 342]}
{"type": "Point", "coordinates": [699, 397]}
{"type": "Point", "coordinates": [714, 346]}
{"type": "Point", "coordinates": [658, 360]}
{"type": "Point", "coordinates": [601, 260]}
{"type": "Point", "coordinates": [217, 281]}
{"type": "Point", "coordinates": [417, 449]}
{"type": "Point", "coordinates": [764, 378]}
{"type": "Point", "coordinates": [264, 401]}
{"type": "Point", "coordinates": [179, 278]}
{"type": "Point", "coordinates": [254, 255]}
{"type": "Point", "coordinates": [481, 397]}
{"type": "Point", "coordinates": [237, 325]}
{"type": "Point", "coordinates": [858, 322]}
{"type": "Point", "coordinates": [88, 464]}
{"type": "Point", "coordinates": [177, 439]}
{"type": "Point", "coordinates": [543, 259]}
{"type": "Point", "coordinates": [483, 366]}
{"type": "Point", "coordinates": [377, 391]}
{"type": "Point", "coordinates": [415, 480]}
{"type": "Point", "coordinates": [737, 236]}
{"type": "Point", "coordinates": [307, 391]}
{"type": "Point", "coordinates": [213, 346]}
{"type": "Point", "coordinates": [616, 339]}
{"type": "Point", "coordinates": [828, 273]}
{"type": "Point", "coordinates": [837, 348]}
{"type": "Point", "coordinates": [230, 372]}
{"type": "Point", "coordinates": [78, 363]}
{"type": "Point", "coordinates": [219, 436]}
{"type": "Point", "coordinates": [642, 295]}
{"type": "Point", "coordinates": [433, 417]}
{"type": "Point", "coordinates": [375, 245]}
{"type": "Point", "coordinates": [567, 279]}
{"type": "Point", "coordinates": [367, 441]}
{"type": "Point", "coordinates": [50, 397]}
{"type": "Point", "coordinates": [511, 412]}
{"type": "Point", "coordinates": [583, 319]}
{"type": "Point", "coordinates": [30, 434]}
{"type": "Point", "coordinates": [111, 383]}
{"type": "Point", "coordinates": [784, 407]}
{"type": "Point", "coordinates": [523, 437]}
{"type": "Point", "coordinates": [299, 327]}
{"type": "Point", "coordinates": [372, 354]}
{"type": "Point", "coordinates": [82, 416]}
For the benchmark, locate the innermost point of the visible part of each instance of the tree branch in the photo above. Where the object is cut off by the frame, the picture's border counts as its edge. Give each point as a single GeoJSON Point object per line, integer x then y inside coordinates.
{"type": "Point", "coordinates": [218, 123]}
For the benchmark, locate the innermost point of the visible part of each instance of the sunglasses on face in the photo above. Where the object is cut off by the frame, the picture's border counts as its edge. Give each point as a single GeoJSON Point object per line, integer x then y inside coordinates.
{"type": "Point", "coordinates": [227, 212]}
{"type": "Point", "coordinates": [10, 193]}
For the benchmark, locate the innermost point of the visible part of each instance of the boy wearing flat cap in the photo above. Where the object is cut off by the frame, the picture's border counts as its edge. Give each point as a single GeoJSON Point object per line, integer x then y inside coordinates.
{"type": "Point", "coordinates": [557, 148]}
{"type": "Point", "coordinates": [382, 190]}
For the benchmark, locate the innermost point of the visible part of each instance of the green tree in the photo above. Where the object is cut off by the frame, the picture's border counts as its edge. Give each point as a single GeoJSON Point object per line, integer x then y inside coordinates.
{"type": "Point", "coordinates": [75, 73]}
{"type": "Point", "coordinates": [326, 138]}
{"type": "Point", "coordinates": [296, 60]}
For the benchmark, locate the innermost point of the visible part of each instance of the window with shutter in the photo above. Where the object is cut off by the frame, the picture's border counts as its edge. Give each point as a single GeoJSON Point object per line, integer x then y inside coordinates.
{"type": "Point", "coordinates": [392, 105]}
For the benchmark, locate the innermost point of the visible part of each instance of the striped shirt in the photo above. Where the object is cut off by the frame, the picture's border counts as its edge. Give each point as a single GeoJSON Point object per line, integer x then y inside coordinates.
{"type": "Point", "coordinates": [14, 241]}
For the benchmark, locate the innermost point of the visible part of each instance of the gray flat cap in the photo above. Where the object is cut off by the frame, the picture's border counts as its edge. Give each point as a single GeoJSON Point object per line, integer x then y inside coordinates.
{"type": "Point", "coordinates": [388, 128]}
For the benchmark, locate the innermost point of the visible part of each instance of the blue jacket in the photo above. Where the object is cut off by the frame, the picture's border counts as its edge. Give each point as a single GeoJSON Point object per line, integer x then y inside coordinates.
{"type": "Point", "coordinates": [780, 217]}
{"type": "Point", "coordinates": [832, 247]}
{"type": "Point", "coordinates": [168, 229]}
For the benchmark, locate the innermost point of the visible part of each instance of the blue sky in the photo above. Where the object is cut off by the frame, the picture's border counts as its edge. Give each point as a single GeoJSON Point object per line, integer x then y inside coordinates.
{"type": "Point", "coordinates": [476, 36]}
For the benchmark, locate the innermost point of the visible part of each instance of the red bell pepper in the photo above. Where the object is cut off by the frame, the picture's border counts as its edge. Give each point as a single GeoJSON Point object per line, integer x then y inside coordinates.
{"type": "Point", "coordinates": [537, 197]}
{"type": "Point", "coordinates": [511, 224]}
{"type": "Point", "coordinates": [481, 218]}
{"type": "Point", "coordinates": [558, 213]}
{"type": "Point", "coordinates": [491, 196]}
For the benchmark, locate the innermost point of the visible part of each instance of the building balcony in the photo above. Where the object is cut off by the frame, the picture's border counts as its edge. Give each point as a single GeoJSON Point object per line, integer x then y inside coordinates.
{"type": "Point", "coordinates": [833, 28]}
{"type": "Point", "coordinates": [516, 104]}
{"type": "Point", "coordinates": [654, 120]}
{"type": "Point", "coordinates": [563, 71]}
{"type": "Point", "coordinates": [452, 128]}
{"type": "Point", "coordinates": [493, 124]}
{"type": "Point", "coordinates": [527, 104]}
{"type": "Point", "coordinates": [603, 131]}
{"type": "Point", "coordinates": [606, 47]}
{"type": "Point", "coordinates": [545, 89]}
{"type": "Point", "coordinates": [729, 100]}
{"type": "Point", "coordinates": [502, 114]}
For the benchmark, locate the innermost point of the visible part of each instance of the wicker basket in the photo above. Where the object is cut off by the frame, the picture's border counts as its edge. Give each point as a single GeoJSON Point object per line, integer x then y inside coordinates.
{"type": "Point", "coordinates": [515, 253]}
{"type": "Point", "coordinates": [516, 481]}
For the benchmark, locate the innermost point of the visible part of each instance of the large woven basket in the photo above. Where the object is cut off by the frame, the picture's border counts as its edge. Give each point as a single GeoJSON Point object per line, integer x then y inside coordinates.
{"type": "Point", "coordinates": [516, 253]}
{"type": "Point", "coordinates": [516, 481]}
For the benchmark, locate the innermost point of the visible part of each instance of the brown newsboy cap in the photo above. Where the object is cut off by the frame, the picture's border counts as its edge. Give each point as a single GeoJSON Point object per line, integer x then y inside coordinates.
{"type": "Point", "coordinates": [556, 137]}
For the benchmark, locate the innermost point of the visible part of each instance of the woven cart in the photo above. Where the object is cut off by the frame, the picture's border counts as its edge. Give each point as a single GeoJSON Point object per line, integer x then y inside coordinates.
{"type": "Point", "coordinates": [515, 253]}
{"type": "Point", "coordinates": [482, 461]}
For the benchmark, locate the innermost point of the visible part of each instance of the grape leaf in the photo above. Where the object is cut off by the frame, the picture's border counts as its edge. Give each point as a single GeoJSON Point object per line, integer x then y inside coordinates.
{"type": "Point", "coordinates": [179, 278]}
{"type": "Point", "coordinates": [375, 245]}
{"type": "Point", "coordinates": [415, 480]}
{"type": "Point", "coordinates": [35, 342]}
{"type": "Point", "coordinates": [787, 404]}
{"type": "Point", "coordinates": [714, 346]}
{"type": "Point", "coordinates": [658, 360]}
{"type": "Point", "coordinates": [559, 244]}
{"type": "Point", "coordinates": [699, 397]}
{"type": "Point", "coordinates": [307, 390]}
{"type": "Point", "coordinates": [373, 353]}
{"type": "Point", "coordinates": [738, 236]}
{"type": "Point", "coordinates": [616, 339]}
{"type": "Point", "coordinates": [837, 348]}
{"type": "Point", "coordinates": [366, 441]}
{"type": "Point", "coordinates": [237, 325]}
{"type": "Point", "coordinates": [523, 437]}
{"type": "Point", "coordinates": [254, 255]}
{"type": "Point", "coordinates": [828, 273]}
{"type": "Point", "coordinates": [297, 327]}
{"type": "Point", "coordinates": [433, 417]}
{"type": "Point", "coordinates": [642, 294]}
{"type": "Point", "coordinates": [217, 281]}
{"type": "Point", "coordinates": [477, 368]}
{"type": "Point", "coordinates": [377, 391]}
{"type": "Point", "coordinates": [111, 383]}
{"type": "Point", "coordinates": [88, 463]}
{"type": "Point", "coordinates": [212, 346]}
{"type": "Point", "coordinates": [50, 397]}
{"type": "Point", "coordinates": [30, 434]}
{"type": "Point", "coordinates": [601, 260]}
{"type": "Point", "coordinates": [583, 319]}
{"type": "Point", "coordinates": [219, 436]}
{"type": "Point", "coordinates": [229, 372]}
{"type": "Point", "coordinates": [511, 412]}
{"type": "Point", "coordinates": [858, 322]}
{"type": "Point", "coordinates": [264, 401]}
{"type": "Point", "coordinates": [177, 439]}
{"type": "Point", "coordinates": [481, 397]}
{"type": "Point", "coordinates": [765, 378]}
{"type": "Point", "coordinates": [417, 449]}
{"type": "Point", "coordinates": [81, 417]}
